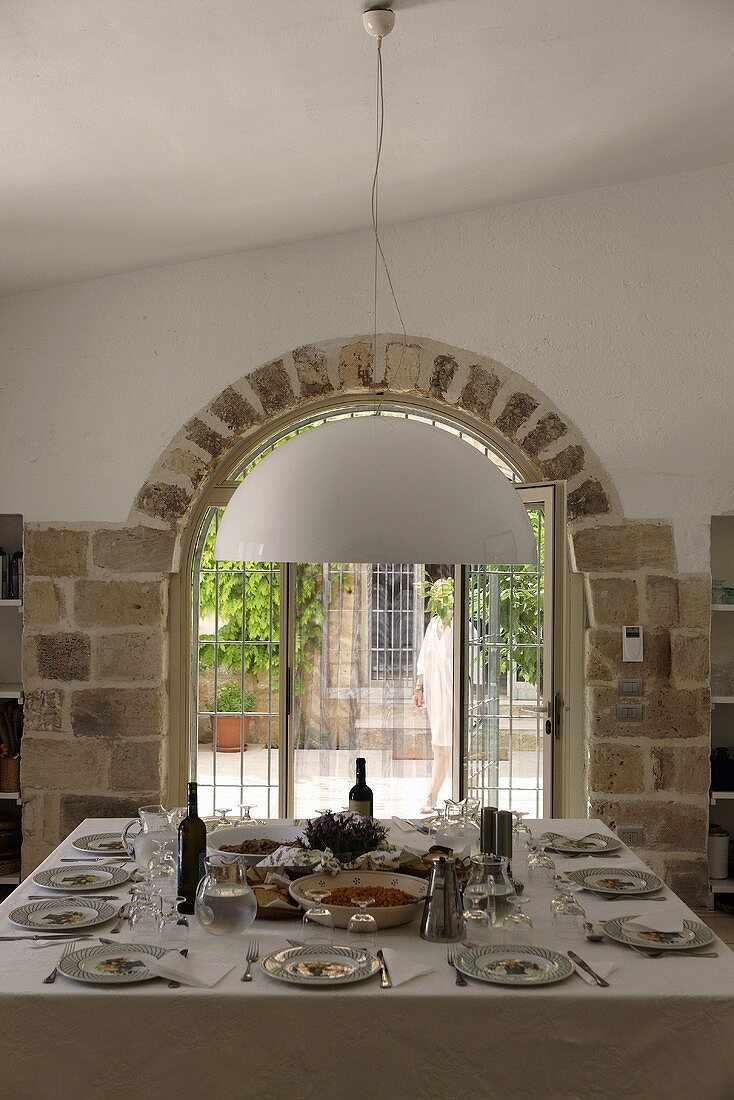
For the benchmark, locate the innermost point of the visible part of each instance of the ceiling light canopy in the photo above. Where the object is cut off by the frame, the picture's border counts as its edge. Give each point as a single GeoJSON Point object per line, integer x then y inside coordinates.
{"type": "Point", "coordinates": [372, 489]}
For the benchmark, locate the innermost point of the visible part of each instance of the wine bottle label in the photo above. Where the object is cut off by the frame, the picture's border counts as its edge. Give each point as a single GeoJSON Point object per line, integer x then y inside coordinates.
{"type": "Point", "coordinates": [363, 808]}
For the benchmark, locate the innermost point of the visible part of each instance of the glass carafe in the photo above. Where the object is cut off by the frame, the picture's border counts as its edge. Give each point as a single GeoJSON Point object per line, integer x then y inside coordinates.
{"type": "Point", "coordinates": [488, 885]}
{"type": "Point", "coordinates": [225, 905]}
{"type": "Point", "coordinates": [458, 830]}
{"type": "Point", "coordinates": [153, 828]}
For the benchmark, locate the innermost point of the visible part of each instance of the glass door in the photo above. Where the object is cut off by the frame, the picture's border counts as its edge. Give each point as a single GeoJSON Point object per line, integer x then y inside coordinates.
{"type": "Point", "coordinates": [508, 685]}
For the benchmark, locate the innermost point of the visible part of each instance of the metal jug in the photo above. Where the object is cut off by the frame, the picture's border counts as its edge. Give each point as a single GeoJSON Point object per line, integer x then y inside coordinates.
{"type": "Point", "coordinates": [443, 920]}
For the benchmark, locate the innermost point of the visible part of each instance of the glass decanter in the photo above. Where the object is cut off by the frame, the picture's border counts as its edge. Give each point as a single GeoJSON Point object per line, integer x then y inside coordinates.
{"type": "Point", "coordinates": [225, 905]}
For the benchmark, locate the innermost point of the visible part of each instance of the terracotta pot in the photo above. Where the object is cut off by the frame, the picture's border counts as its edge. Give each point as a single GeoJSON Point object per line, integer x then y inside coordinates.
{"type": "Point", "coordinates": [226, 731]}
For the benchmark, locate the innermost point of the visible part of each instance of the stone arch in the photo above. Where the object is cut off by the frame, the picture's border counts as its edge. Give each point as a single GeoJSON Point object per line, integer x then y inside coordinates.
{"type": "Point", "coordinates": [96, 613]}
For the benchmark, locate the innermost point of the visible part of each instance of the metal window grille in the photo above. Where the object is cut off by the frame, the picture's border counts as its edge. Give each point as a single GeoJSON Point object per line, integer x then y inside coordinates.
{"type": "Point", "coordinates": [392, 649]}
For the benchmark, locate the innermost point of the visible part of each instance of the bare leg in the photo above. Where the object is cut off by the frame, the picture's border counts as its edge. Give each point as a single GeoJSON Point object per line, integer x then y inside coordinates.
{"type": "Point", "coordinates": [439, 771]}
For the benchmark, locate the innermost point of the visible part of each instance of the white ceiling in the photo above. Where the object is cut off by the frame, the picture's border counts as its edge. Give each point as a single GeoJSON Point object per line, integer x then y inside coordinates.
{"type": "Point", "coordinates": [136, 133]}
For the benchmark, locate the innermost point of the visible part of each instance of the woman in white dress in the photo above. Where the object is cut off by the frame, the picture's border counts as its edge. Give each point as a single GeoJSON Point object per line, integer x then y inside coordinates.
{"type": "Point", "coordinates": [434, 690]}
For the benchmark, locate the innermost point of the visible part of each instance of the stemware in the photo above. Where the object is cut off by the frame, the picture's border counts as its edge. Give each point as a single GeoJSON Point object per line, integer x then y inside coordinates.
{"type": "Point", "coordinates": [317, 926]}
{"type": "Point", "coordinates": [144, 917]}
{"type": "Point", "coordinates": [517, 925]}
{"type": "Point", "coordinates": [540, 864]}
{"type": "Point", "coordinates": [162, 869]}
{"type": "Point", "coordinates": [221, 822]}
{"type": "Point", "coordinates": [567, 914]}
{"type": "Point", "coordinates": [477, 919]}
{"type": "Point", "coordinates": [245, 818]}
{"type": "Point", "coordinates": [362, 926]}
{"type": "Point", "coordinates": [173, 927]}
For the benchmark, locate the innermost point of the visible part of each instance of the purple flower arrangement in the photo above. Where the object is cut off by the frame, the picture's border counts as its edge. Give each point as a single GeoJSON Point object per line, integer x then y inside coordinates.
{"type": "Point", "coordinates": [348, 835]}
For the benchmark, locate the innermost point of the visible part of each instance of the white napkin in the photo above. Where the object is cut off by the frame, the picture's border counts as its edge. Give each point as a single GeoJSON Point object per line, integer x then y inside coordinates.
{"type": "Point", "coordinates": [603, 969]}
{"type": "Point", "coordinates": [403, 969]}
{"type": "Point", "coordinates": [202, 973]}
{"type": "Point", "coordinates": [404, 825]}
{"type": "Point", "coordinates": [656, 920]}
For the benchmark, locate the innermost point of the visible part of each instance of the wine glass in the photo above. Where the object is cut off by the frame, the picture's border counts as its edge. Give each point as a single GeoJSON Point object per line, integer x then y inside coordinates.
{"type": "Point", "coordinates": [317, 926]}
{"type": "Point", "coordinates": [173, 926]}
{"type": "Point", "coordinates": [163, 870]}
{"type": "Point", "coordinates": [362, 926]}
{"type": "Point", "coordinates": [145, 917]}
{"type": "Point", "coordinates": [540, 864]}
{"type": "Point", "coordinates": [568, 917]}
{"type": "Point", "coordinates": [245, 818]}
{"type": "Point", "coordinates": [517, 925]}
{"type": "Point", "coordinates": [477, 914]}
{"type": "Point", "coordinates": [221, 822]}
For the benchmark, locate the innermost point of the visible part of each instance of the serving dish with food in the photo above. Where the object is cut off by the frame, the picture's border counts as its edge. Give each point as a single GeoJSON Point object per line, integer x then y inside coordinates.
{"type": "Point", "coordinates": [398, 899]}
{"type": "Point", "coordinates": [252, 842]}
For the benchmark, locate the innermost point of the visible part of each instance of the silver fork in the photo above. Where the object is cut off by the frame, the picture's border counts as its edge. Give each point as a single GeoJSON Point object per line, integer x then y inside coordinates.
{"type": "Point", "coordinates": [51, 978]}
{"type": "Point", "coordinates": [451, 960]}
{"type": "Point", "coordinates": [686, 954]}
{"type": "Point", "coordinates": [253, 952]}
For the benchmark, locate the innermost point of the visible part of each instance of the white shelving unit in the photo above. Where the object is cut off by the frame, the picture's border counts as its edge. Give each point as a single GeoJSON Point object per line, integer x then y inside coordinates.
{"type": "Point", "coordinates": [9, 880]}
{"type": "Point", "coordinates": [717, 699]}
{"type": "Point", "coordinates": [722, 606]}
{"type": "Point", "coordinates": [11, 691]}
{"type": "Point", "coordinates": [716, 795]}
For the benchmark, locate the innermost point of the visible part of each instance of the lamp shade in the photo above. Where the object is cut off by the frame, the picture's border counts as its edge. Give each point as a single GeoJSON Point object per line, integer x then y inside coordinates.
{"type": "Point", "coordinates": [372, 489]}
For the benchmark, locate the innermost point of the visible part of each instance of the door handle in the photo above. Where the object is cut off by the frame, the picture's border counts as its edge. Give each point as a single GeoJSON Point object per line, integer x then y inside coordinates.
{"type": "Point", "coordinates": [548, 727]}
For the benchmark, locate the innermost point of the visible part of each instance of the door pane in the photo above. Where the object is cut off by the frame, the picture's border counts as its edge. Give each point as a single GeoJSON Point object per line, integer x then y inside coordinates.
{"type": "Point", "coordinates": [505, 708]}
{"type": "Point", "coordinates": [237, 646]}
{"type": "Point", "coordinates": [359, 648]}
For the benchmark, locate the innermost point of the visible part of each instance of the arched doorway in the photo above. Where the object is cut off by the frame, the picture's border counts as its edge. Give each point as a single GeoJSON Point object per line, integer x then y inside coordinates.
{"type": "Point", "coordinates": [293, 671]}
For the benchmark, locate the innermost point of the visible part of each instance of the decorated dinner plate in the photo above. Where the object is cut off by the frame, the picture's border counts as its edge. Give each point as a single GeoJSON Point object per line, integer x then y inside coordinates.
{"type": "Point", "coordinates": [508, 965]}
{"type": "Point", "coordinates": [616, 880]}
{"type": "Point", "coordinates": [320, 965]}
{"type": "Point", "coordinates": [58, 915]}
{"type": "Point", "coordinates": [693, 934]}
{"type": "Point", "coordinates": [101, 844]}
{"type": "Point", "coordinates": [81, 878]}
{"type": "Point", "coordinates": [593, 844]}
{"type": "Point", "coordinates": [116, 965]}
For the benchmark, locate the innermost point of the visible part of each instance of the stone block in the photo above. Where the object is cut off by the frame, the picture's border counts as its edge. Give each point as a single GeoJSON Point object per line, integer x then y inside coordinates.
{"type": "Point", "coordinates": [134, 550]}
{"type": "Point", "coordinates": [480, 391]}
{"type": "Point", "coordinates": [518, 409]}
{"type": "Point", "coordinates": [669, 825]}
{"type": "Point", "coordinates": [55, 552]}
{"type": "Point", "coordinates": [694, 600]}
{"type": "Point", "coordinates": [117, 712]}
{"type": "Point", "coordinates": [604, 656]}
{"type": "Point", "coordinates": [136, 764]}
{"type": "Point", "coordinates": [205, 437]}
{"type": "Point", "coordinates": [613, 601]}
{"type": "Point", "coordinates": [192, 466]}
{"type": "Point", "coordinates": [42, 710]}
{"type": "Point", "coordinates": [565, 464]}
{"type": "Point", "coordinates": [588, 499]}
{"type": "Point", "coordinates": [689, 655]}
{"type": "Point", "coordinates": [548, 429]}
{"type": "Point", "coordinates": [119, 603]}
{"type": "Point", "coordinates": [43, 603]}
{"type": "Point", "coordinates": [74, 808]}
{"type": "Point", "coordinates": [163, 501]}
{"type": "Point", "coordinates": [64, 765]}
{"type": "Point", "coordinates": [273, 386]}
{"type": "Point", "coordinates": [661, 601]}
{"type": "Point", "coordinates": [667, 713]}
{"type": "Point", "coordinates": [356, 366]}
{"type": "Point", "coordinates": [683, 770]}
{"type": "Point", "coordinates": [616, 769]}
{"type": "Point", "coordinates": [402, 366]}
{"type": "Point", "coordinates": [134, 656]}
{"type": "Point", "coordinates": [688, 878]}
{"type": "Point", "coordinates": [234, 410]}
{"type": "Point", "coordinates": [62, 656]}
{"type": "Point", "coordinates": [311, 366]}
{"type": "Point", "coordinates": [621, 547]}
{"type": "Point", "coordinates": [442, 375]}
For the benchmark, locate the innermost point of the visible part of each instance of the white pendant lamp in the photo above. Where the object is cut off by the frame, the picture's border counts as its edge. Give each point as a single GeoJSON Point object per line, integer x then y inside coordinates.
{"type": "Point", "coordinates": [373, 489]}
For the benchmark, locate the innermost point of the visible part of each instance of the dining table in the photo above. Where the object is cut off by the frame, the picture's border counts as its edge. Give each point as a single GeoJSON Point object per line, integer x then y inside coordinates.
{"type": "Point", "coordinates": [663, 1026]}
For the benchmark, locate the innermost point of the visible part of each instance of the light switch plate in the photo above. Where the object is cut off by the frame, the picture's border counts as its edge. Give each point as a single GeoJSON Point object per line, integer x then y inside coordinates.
{"type": "Point", "coordinates": [629, 712]}
{"type": "Point", "coordinates": [632, 835]}
{"type": "Point", "coordinates": [630, 687]}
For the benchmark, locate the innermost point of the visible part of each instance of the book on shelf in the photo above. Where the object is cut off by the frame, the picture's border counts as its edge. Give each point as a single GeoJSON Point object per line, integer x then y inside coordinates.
{"type": "Point", "coordinates": [11, 575]}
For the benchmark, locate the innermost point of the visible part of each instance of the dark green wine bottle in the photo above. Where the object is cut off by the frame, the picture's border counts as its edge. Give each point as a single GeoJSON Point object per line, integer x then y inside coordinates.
{"type": "Point", "coordinates": [191, 852]}
{"type": "Point", "coordinates": [360, 796]}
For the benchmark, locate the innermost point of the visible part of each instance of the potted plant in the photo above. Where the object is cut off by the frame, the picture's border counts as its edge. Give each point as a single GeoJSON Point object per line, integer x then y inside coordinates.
{"type": "Point", "coordinates": [227, 722]}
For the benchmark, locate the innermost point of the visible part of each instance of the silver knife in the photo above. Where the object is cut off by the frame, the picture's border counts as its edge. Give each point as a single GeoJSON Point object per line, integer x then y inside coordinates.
{"type": "Point", "coordinates": [585, 966]}
{"type": "Point", "coordinates": [385, 981]}
{"type": "Point", "coordinates": [74, 897]}
{"type": "Point", "coordinates": [62, 937]}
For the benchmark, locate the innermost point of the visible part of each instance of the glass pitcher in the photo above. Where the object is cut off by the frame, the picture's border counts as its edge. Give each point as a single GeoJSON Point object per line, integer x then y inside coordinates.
{"type": "Point", "coordinates": [459, 830]}
{"type": "Point", "coordinates": [225, 905]}
{"type": "Point", "coordinates": [153, 828]}
{"type": "Point", "coordinates": [488, 885]}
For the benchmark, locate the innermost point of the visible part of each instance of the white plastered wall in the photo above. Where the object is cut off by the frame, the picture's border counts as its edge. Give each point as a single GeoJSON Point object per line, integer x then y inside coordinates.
{"type": "Point", "coordinates": [616, 303]}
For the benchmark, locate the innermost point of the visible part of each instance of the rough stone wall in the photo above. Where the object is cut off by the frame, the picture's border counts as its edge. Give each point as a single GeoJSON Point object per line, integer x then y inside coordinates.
{"type": "Point", "coordinates": [96, 642]}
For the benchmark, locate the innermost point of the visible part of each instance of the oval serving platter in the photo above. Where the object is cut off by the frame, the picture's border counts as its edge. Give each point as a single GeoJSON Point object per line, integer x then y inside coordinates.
{"type": "Point", "coordinates": [81, 879]}
{"type": "Point", "coordinates": [101, 844]}
{"type": "Point", "coordinates": [514, 965]}
{"type": "Point", "coordinates": [616, 880]}
{"type": "Point", "coordinates": [110, 965]}
{"type": "Point", "coordinates": [320, 966]}
{"type": "Point", "coordinates": [58, 915]}
{"type": "Point", "coordinates": [694, 935]}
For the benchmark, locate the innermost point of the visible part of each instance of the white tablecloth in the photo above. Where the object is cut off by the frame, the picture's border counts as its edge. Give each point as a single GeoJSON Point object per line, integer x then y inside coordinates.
{"type": "Point", "coordinates": [665, 1027]}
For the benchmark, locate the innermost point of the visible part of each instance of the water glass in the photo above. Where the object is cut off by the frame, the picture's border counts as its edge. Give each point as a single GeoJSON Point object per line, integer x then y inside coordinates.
{"type": "Point", "coordinates": [517, 926]}
{"type": "Point", "coordinates": [568, 917]}
{"type": "Point", "coordinates": [173, 925]}
{"type": "Point", "coordinates": [317, 926]}
{"type": "Point", "coordinates": [145, 915]}
{"type": "Point", "coordinates": [362, 926]}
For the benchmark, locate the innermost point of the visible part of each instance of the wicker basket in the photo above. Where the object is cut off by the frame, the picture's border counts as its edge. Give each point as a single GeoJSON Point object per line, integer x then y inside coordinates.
{"type": "Point", "coordinates": [10, 773]}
